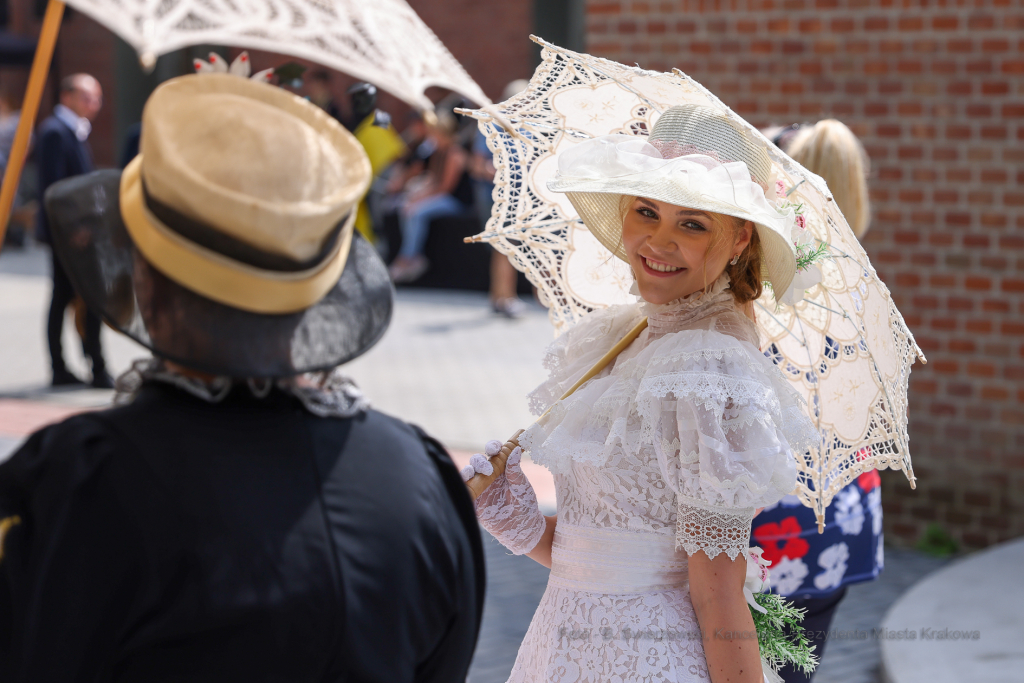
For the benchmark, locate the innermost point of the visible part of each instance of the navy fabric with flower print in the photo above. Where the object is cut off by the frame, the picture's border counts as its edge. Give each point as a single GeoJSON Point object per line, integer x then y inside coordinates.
{"type": "Point", "coordinates": [808, 564]}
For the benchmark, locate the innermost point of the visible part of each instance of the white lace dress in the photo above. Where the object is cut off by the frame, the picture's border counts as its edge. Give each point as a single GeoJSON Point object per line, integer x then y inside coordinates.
{"type": "Point", "coordinates": [668, 452]}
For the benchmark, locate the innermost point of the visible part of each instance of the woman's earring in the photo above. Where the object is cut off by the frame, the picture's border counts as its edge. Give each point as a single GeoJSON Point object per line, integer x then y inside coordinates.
{"type": "Point", "coordinates": [735, 260]}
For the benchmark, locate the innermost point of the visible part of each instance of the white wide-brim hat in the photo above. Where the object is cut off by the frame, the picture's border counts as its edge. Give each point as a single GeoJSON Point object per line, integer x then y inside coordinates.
{"type": "Point", "coordinates": [694, 158]}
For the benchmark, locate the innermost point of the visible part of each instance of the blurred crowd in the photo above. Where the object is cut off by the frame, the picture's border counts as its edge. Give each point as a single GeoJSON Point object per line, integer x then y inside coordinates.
{"type": "Point", "coordinates": [431, 167]}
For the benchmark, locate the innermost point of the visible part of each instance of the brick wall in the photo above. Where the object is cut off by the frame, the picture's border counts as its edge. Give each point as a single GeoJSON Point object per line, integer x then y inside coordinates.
{"type": "Point", "coordinates": [935, 89]}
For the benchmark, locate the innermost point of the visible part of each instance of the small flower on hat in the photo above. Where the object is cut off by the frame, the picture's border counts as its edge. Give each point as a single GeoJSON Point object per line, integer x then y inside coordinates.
{"type": "Point", "coordinates": [240, 67]}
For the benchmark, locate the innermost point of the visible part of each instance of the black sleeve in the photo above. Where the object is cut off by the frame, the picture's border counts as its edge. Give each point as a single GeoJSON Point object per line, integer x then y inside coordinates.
{"type": "Point", "coordinates": [52, 159]}
{"type": "Point", "coordinates": [70, 567]}
{"type": "Point", "coordinates": [444, 664]}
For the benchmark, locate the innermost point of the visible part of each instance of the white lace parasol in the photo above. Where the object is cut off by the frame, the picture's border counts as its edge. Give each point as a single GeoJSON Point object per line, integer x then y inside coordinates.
{"type": "Point", "coordinates": [837, 336]}
{"type": "Point", "coordinates": [383, 41]}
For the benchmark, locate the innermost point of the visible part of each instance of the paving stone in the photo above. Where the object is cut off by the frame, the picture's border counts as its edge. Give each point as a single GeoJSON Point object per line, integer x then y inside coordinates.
{"type": "Point", "coordinates": [515, 585]}
{"type": "Point", "coordinates": [863, 609]}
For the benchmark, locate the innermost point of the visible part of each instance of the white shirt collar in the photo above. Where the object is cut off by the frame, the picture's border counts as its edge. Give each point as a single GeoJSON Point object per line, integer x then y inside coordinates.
{"type": "Point", "coordinates": [79, 125]}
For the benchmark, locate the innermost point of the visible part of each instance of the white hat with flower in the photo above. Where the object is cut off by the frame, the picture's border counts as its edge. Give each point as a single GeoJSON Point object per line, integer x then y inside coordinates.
{"type": "Point", "coordinates": [695, 157]}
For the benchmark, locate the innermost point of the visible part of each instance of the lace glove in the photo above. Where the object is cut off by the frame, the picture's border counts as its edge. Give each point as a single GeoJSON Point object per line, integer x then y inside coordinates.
{"type": "Point", "coordinates": [508, 507]}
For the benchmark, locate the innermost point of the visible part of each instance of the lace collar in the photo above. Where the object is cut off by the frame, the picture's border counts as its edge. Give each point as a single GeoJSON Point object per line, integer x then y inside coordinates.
{"type": "Point", "coordinates": [326, 394]}
{"type": "Point", "coordinates": [674, 316]}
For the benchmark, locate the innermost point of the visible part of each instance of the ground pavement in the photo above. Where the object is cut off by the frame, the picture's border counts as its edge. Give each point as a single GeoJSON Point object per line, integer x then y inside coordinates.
{"type": "Point", "coordinates": [448, 364]}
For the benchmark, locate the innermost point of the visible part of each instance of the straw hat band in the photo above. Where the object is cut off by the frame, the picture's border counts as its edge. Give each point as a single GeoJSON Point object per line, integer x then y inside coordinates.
{"type": "Point", "coordinates": [213, 239]}
{"type": "Point", "coordinates": [221, 278]}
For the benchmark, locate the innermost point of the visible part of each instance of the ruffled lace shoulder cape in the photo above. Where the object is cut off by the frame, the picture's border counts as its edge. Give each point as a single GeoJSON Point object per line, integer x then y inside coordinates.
{"type": "Point", "coordinates": [719, 417]}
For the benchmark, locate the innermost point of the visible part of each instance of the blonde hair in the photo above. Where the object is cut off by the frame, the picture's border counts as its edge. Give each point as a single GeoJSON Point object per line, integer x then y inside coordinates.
{"type": "Point", "coordinates": [831, 150]}
{"type": "Point", "coordinates": [746, 282]}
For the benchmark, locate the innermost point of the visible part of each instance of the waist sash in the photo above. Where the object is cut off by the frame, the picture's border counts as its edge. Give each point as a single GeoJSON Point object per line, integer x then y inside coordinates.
{"type": "Point", "coordinates": [616, 561]}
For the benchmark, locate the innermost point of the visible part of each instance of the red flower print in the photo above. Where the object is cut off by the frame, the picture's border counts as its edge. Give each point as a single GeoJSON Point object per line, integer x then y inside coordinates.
{"type": "Point", "coordinates": [863, 453]}
{"type": "Point", "coordinates": [869, 481]}
{"type": "Point", "coordinates": [781, 540]}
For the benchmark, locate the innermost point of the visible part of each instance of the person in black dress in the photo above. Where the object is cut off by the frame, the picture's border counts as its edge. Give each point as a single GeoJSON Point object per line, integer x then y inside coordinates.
{"type": "Point", "coordinates": [241, 515]}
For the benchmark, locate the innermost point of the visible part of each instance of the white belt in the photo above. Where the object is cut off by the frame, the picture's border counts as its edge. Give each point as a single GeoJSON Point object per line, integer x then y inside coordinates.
{"type": "Point", "coordinates": [616, 561]}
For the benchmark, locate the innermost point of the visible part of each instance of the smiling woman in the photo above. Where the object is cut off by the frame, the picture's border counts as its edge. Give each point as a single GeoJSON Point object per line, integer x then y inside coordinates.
{"type": "Point", "coordinates": [661, 460]}
{"type": "Point", "coordinates": [675, 251]}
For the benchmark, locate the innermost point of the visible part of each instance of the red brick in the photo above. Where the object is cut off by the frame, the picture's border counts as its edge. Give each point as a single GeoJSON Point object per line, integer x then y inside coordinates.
{"type": "Point", "coordinates": [879, 23]}
{"type": "Point", "coordinates": [809, 25]}
{"type": "Point", "coordinates": [993, 393]}
{"type": "Point", "coordinates": [910, 23]}
{"type": "Point", "coordinates": [962, 346]}
{"type": "Point", "coordinates": [1012, 285]}
{"type": "Point", "coordinates": [842, 25]}
{"type": "Point", "coordinates": [982, 66]}
{"type": "Point", "coordinates": [981, 369]}
{"type": "Point", "coordinates": [908, 280]}
{"type": "Point", "coordinates": [994, 175]}
{"type": "Point", "coordinates": [981, 22]}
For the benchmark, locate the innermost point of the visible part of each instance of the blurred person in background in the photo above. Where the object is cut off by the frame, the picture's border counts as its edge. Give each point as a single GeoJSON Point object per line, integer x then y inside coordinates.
{"type": "Point", "coordinates": [831, 150]}
{"type": "Point", "coordinates": [63, 151]}
{"type": "Point", "coordinates": [503, 274]}
{"type": "Point", "coordinates": [812, 569]}
{"type": "Point", "coordinates": [443, 189]}
{"type": "Point", "coordinates": [25, 206]}
{"type": "Point", "coordinates": [318, 91]}
{"type": "Point", "coordinates": [383, 145]}
{"type": "Point", "coordinates": [10, 114]}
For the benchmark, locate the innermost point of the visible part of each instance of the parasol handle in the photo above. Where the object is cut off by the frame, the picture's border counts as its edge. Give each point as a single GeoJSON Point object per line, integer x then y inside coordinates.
{"type": "Point", "coordinates": [479, 481]}
{"type": "Point", "coordinates": [29, 109]}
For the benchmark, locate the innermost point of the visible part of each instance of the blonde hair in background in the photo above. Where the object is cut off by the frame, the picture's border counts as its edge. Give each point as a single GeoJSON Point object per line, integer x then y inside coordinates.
{"type": "Point", "coordinates": [831, 150]}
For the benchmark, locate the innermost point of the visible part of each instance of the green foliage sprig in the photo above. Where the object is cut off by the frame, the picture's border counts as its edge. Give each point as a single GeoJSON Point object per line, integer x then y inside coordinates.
{"type": "Point", "coordinates": [807, 256]}
{"type": "Point", "coordinates": [777, 647]}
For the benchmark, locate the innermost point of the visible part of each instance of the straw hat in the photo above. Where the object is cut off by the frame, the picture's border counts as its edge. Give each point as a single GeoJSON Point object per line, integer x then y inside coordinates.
{"type": "Point", "coordinates": [694, 157]}
{"type": "Point", "coordinates": [227, 244]}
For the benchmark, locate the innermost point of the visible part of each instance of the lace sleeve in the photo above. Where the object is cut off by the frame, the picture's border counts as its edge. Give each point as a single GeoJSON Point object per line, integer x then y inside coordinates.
{"type": "Point", "coordinates": [712, 529]}
{"type": "Point", "coordinates": [724, 432]}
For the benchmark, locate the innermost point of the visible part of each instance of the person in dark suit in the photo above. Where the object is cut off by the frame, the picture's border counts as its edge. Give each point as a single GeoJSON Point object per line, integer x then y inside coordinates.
{"type": "Point", "coordinates": [62, 151]}
{"type": "Point", "coordinates": [242, 515]}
